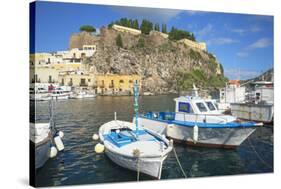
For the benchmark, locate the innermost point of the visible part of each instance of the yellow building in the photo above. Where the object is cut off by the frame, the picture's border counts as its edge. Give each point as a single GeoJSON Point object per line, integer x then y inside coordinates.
{"type": "Point", "coordinates": [126, 29]}
{"type": "Point", "coordinates": [197, 45]}
{"type": "Point", "coordinates": [116, 84]}
{"type": "Point", "coordinates": [50, 73]}
{"type": "Point", "coordinates": [77, 79]}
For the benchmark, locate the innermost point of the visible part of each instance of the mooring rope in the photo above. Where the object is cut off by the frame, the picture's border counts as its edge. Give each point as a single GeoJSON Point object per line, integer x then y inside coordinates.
{"type": "Point", "coordinates": [138, 170]}
{"type": "Point", "coordinates": [260, 158]}
{"type": "Point", "coordinates": [174, 149]}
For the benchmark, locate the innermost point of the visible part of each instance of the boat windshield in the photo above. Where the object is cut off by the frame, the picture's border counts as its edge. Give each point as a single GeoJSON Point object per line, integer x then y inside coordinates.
{"type": "Point", "coordinates": [210, 105]}
{"type": "Point", "coordinates": [201, 107]}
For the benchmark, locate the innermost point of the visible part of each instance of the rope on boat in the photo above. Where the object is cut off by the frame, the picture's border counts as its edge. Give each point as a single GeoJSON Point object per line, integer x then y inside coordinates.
{"type": "Point", "coordinates": [174, 149]}
{"type": "Point", "coordinates": [136, 153]}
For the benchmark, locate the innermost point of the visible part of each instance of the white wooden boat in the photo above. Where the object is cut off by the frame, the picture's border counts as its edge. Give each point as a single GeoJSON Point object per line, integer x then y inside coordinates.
{"type": "Point", "coordinates": [45, 141]}
{"type": "Point", "coordinates": [134, 147]}
{"type": "Point", "coordinates": [138, 150]}
{"type": "Point", "coordinates": [40, 138]}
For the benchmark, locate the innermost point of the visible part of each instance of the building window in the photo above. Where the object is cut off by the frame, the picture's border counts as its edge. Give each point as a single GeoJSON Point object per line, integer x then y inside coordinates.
{"type": "Point", "coordinates": [62, 81]}
{"type": "Point", "coordinates": [70, 82]}
{"type": "Point", "coordinates": [36, 78]}
{"type": "Point", "coordinates": [89, 80]}
{"type": "Point", "coordinates": [83, 82]}
{"type": "Point", "coordinates": [121, 81]}
{"type": "Point", "coordinates": [130, 81]}
{"type": "Point", "coordinates": [50, 79]}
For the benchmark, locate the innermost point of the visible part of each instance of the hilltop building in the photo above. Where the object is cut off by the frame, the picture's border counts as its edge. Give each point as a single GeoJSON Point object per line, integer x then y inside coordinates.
{"type": "Point", "coordinates": [197, 45]}
{"type": "Point", "coordinates": [126, 29]}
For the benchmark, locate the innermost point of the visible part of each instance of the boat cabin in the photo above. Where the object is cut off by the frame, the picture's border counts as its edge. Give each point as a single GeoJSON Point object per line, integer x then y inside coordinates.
{"type": "Point", "coordinates": [196, 109]}
{"type": "Point", "coordinates": [195, 105]}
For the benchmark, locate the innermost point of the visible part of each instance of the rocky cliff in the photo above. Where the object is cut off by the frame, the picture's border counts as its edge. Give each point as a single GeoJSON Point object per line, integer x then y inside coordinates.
{"type": "Point", "coordinates": [164, 65]}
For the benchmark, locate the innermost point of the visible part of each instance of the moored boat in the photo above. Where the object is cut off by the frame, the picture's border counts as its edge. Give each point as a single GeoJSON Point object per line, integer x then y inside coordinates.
{"type": "Point", "coordinates": [134, 147]}
{"type": "Point", "coordinates": [82, 94]}
{"type": "Point", "coordinates": [197, 121]}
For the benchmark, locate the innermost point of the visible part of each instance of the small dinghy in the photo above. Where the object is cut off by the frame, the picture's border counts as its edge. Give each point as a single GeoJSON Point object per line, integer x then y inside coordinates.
{"type": "Point", "coordinates": [135, 148]}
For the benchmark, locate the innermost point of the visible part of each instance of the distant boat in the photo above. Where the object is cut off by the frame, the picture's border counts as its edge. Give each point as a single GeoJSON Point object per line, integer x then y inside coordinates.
{"type": "Point", "coordinates": [134, 147]}
{"type": "Point", "coordinates": [60, 94]}
{"type": "Point", "coordinates": [197, 121]}
{"type": "Point", "coordinates": [82, 94]}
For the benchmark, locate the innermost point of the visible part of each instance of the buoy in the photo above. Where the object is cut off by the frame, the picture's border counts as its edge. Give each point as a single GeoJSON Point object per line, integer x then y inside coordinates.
{"type": "Point", "coordinates": [99, 148]}
{"type": "Point", "coordinates": [61, 134]}
{"type": "Point", "coordinates": [59, 143]}
{"type": "Point", "coordinates": [195, 134]}
{"type": "Point", "coordinates": [53, 152]}
{"type": "Point", "coordinates": [95, 137]}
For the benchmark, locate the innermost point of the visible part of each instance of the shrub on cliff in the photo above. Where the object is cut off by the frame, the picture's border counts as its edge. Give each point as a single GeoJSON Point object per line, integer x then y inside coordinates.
{"type": "Point", "coordinates": [177, 34]}
{"type": "Point", "coordinates": [87, 28]}
{"type": "Point", "coordinates": [119, 41]}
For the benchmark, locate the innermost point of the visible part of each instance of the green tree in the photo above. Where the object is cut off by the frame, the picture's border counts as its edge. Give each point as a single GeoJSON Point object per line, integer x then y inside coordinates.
{"type": "Point", "coordinates": [110, 25]}
{"type": "Point", "coordinates": [146, 26]}
{"type": "Point", "coordinates": [164, 28]}
{"type": "Point", "coordinates": [87, 28]}
{"type": "Point", "coordinates": [156, 27]}
{"type": "Point", "coordinates": [135, 24]}
{"type": "Point", "coordinates": [177, 34]}
{"type": "Point", "coordinates": [119, 41]}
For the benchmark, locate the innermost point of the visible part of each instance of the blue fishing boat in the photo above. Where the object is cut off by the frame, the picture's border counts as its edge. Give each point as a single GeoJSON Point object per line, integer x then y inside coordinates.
{"type": "Point", "coordinates": [197, 121]}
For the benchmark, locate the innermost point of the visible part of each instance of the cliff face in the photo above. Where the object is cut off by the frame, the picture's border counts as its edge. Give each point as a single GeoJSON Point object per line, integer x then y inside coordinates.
{"type": "Point", "coordinates": [155, 58]}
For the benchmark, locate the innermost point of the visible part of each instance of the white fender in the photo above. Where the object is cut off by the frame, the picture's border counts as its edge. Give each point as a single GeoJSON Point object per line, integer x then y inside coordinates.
{"type": "Point", "coordinates": [99, 148]}
{"type": "Point", "coordinates": [195, 133]}
{"type": "Point", "coordinates": [53, 152]}
{"type": "Point", "coordinates": [61, 134]}
{"type": "Point", "coordinates": [59, 143]}
{"type": "Point", "coordinates": [95, 137]}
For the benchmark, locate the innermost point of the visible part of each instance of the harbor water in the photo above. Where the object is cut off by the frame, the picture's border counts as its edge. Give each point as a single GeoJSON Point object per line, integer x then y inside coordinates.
{"type": "Point", "coordinates": [79, 119]}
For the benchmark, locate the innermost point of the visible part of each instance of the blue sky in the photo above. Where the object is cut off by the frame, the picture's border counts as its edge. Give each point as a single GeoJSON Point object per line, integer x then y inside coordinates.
{"type": "Point", "coordinates": [242, 43]}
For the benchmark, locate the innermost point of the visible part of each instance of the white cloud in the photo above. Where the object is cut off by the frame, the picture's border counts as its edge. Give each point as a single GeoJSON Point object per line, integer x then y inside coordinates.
{"type": "Point", "coordinates": [241, 74]}
{"type": "Point", "coordinates": [242, 31]}
{"type": "Point", "coordinates": [153, 14]}
{"type": "Point", "coordinates": [193, 12]}
{"type": "Point", "coordinates": [242, 54]}
{"type": "Point", "coordinates": [204, 31]}
{"type": "Point", "coordinates": [221, 41]}
{"type": "Point", "coordinates": [261, 43]}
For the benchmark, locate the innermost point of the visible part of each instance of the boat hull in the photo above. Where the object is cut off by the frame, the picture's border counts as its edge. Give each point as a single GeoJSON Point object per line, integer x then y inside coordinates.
{"type": "Point", "coordinates": [149, 166]}
{"type": "Point", "coordinates": [207, 137]}
{"type": "Point", "coordinates": [210, 137]}
{"type": "Point", "coordinates": [42, 152]}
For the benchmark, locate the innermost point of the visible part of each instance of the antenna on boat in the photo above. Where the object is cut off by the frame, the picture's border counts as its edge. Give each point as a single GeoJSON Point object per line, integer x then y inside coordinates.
{"type": "Point", "coordinates": [136, 105]}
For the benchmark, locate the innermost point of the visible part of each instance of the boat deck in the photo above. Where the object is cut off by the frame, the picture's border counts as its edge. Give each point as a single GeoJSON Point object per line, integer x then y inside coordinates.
{"type": "Point", "coordinates": [125, 137]}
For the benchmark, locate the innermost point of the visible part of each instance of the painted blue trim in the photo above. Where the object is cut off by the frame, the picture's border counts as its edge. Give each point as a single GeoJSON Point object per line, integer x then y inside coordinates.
{"type": "Point", "coordinates": [202, 125]}
{"type": "Point", "coordinates": [119, 139]}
